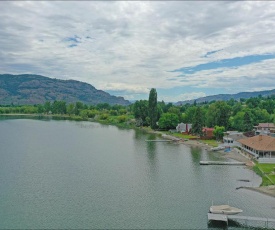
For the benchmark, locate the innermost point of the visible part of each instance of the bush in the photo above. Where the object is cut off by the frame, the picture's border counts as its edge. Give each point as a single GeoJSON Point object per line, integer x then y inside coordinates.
{"type": "Point", "coordinates": [104, 116]}
{"type": "Point", "coordinates": [92, 113]}
{"type": "Point", "coordinates": [113, 112]}
{"type": "Point", "coordinates": [122, 118]}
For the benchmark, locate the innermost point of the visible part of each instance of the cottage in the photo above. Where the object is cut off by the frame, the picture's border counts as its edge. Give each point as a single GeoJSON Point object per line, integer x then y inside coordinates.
{"type": "Point", "coordinates": [184, 128]}
{"type": "Point", "coordinates": [261, 147]}
{"type": "Point", "coordinates": [265, 129]}
{"type": "Point", "coordinates": [231, 138]}
{"type": "Point", "coordinates": [208, 133]}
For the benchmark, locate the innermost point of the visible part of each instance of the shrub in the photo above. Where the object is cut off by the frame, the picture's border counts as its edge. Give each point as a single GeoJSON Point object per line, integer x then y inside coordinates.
{"type": "Point", "coordinates": [104, 116]}
{"type": "Point", "coordinates": [122, 118]}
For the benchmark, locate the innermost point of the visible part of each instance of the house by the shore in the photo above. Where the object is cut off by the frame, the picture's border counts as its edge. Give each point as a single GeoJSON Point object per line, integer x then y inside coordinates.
{"type": "Point", "coordinates": [265, 129]}
{"type": "Point", "coordinates": [208, 133]}
{"type": "Point", "coordinates": [231, 138]}
{"type": "Point", "coordinates": [184, 128]}
{"type": "Point", "coordinates": [261, 147]}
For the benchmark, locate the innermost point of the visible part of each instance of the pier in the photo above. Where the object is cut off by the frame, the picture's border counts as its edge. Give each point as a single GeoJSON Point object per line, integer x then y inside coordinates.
{"type": "Point", "coordinates": [248, 220]}
{"type": "Point", "coordinates": [221, 163]}
{"type": "Point", "coordinates": [159, 140]}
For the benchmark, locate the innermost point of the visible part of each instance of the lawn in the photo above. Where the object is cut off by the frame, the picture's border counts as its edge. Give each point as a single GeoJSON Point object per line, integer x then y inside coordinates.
{"type": "Point", "coordinates": [180, 135]}
{"type": "Point", "coordinates": [213, 143]}
{"type": "Point", "coordinates": [267, 173]}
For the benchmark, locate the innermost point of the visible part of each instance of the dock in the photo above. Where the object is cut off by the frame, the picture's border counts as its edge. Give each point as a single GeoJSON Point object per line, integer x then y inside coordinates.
{"type": "Point", "coordinates": [221, 163]}
{"type": "Point", "coordinates": [159, 140]}
{"type": "Point", "coordinates": [268, 222]}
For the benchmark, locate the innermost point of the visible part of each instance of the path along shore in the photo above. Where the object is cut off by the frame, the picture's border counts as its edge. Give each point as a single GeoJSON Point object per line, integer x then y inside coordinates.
{"type": "Point", "coordinates": [235, 154]}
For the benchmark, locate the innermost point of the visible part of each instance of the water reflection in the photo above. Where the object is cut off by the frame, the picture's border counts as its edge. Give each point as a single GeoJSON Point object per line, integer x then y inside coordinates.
{"type": "Point", "coordinates": [196, 154]}
{"type": "Point", "coordinates": [138, 134]}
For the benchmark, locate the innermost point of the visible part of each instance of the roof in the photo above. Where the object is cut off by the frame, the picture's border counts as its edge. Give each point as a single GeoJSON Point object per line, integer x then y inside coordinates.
{"type": "Point", "coordinates": [259, 142]}
{"type": "Point", "coordinates": [266, 125]}
{"type": "Point", "coordinates": [208, 129]}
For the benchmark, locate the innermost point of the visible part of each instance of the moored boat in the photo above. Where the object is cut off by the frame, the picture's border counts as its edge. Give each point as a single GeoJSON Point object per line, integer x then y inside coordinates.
{"type": "Point", "coordinates": [224, 209]}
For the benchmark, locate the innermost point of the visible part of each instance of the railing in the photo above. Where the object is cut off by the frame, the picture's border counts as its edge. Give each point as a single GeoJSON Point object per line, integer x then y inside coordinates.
{"type": "Point", "coordinates": [249, 151]}
{"type": "Point", "coordinates": [267, 160]}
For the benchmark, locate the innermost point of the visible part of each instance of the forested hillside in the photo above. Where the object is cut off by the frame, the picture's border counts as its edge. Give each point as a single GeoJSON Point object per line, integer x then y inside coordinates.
{"type": "Point", "coordinates": [29, 89]}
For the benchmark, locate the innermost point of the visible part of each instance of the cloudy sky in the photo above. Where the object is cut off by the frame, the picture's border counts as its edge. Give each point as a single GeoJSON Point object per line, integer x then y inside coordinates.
{"type": "Point", "coordinates": [184, 49]}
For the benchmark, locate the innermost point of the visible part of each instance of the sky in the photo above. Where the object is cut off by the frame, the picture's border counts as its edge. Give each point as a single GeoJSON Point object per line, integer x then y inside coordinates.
{"type": "Point", "coordinates": [184, 49]}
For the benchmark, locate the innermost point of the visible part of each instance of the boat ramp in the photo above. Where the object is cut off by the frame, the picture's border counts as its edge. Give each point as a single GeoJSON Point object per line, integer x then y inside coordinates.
{"type": "Point", "coordinates": [159, 140]}
{"type": "Point", "coordinates": [221, 163]}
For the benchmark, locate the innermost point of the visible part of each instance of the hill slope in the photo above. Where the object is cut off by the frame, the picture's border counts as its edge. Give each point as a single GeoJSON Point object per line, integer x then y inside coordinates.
{"type": "Point", "coordinates": [36, 89]}
{"type": "Point", "coordinates": [226, 97]}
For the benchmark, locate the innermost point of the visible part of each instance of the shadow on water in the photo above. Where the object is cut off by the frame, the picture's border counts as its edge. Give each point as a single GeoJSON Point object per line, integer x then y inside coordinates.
{"type": "Point", "coordinates": [196, 153]}
{"type": "Point", "coordinates": [223, 225]}
{"type": "Point", "coordinates": [151, 150]}
{"type": "Point", "coordinates": [233, 225]}
{"type": "Point", "coordinates": [34, 117]}
{"type": "Point", "coordinates": [139, 134]}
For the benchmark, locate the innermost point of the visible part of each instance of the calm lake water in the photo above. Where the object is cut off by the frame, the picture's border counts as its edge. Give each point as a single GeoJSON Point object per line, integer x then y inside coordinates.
{"type": "Point", "coordinates": [66, 174]}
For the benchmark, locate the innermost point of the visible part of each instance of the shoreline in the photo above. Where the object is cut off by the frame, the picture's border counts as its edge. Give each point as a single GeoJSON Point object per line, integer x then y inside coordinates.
{"type": "Point", "coordinates": [236, 155]}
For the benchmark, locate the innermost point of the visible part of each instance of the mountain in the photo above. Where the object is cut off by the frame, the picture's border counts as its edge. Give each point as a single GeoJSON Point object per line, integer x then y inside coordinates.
{"type": "Point", "coordinates": [35, 89]}
{"type": "Point", "coordinates": [226, 97]}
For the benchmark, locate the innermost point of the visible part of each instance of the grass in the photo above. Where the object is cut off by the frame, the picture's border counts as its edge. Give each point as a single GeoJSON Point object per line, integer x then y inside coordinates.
{"type": "Point", "coordinates": [266, 172]}
{"type": "Point", "coordinates": [180, 135]}
{"type": "Point", "coordinates": [213, 143]}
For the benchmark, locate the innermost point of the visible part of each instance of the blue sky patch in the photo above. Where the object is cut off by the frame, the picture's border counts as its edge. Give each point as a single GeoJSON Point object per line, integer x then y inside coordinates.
{"type": "Point", "coordinates": [74, 39]}
{"type": "Point", "coordinates": [211, 52]}
{"type": "Point", "coordinates": [72, 45]}
{"type": "Point", "coordinates": [226, 63]}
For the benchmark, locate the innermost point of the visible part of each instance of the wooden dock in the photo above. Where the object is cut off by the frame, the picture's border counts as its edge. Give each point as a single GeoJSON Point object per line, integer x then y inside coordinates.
{"type": "Point", "coordinates": [221, 163]}
{"type": "Point", "coordinates": [159, 140]}
{"type": "Point", "coordinates": [247, 219]}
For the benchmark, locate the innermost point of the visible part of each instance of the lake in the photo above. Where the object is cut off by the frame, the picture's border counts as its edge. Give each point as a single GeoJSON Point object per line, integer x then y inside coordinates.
{"type": "Point", "coordinates": [67, 174]}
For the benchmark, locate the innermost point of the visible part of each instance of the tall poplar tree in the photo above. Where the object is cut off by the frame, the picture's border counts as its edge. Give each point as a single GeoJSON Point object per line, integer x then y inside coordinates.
{"type": "Point", "coordinates": [197, 122]}
{"type": "Point", "coordinates": [153, 109]}
{"type": "Point", "coordinates": [247, 122]}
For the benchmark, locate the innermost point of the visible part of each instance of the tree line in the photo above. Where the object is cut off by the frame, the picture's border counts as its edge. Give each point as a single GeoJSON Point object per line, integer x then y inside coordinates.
{"type": "Point", "coordinates": [239, 115]}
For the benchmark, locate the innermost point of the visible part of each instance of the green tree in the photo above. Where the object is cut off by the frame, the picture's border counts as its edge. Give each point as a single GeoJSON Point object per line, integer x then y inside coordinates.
{"type": "Point", "coordinates": [153, 109]}
{"type": "Point", "coordinates": [140, 110]}
{"type": "Point", "coordinates": [78, 106]}
{"type": "Point", "coordinates": [260, 116]}
{"type": "Point", "coordinates": [40, 109]}
{"type": "Point", "coordinates": [218, 114]}
{"type": "Point", "coordinates": [59, 107]}
{"type": "Point", "coordinates": [175, 110]}
{"type": "Point", "coordinates": [187, 117]}
{"type": "Point", "coordinates": [237, 121]}
{"type": "Point", "coordinates": [168, 121]}
{"type": "Point", "coordinates": [47, 106]}
{"type": "Point", "coordinates": [247, 122]}
{"type": "Point", "coordinates": [102, 106]}
{"type": "Point", "coordinates": [197, 123]}
{"type": "Point", "coordinates": [70, 109]}
{"type": "Point", "coordinates": [219, 132]}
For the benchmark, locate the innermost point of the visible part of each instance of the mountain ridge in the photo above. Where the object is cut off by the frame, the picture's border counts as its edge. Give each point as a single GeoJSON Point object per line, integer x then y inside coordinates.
{"type": "Point", "coordinates": [226, 97]}
{"type": "Point", "coordinates": [37, 89]}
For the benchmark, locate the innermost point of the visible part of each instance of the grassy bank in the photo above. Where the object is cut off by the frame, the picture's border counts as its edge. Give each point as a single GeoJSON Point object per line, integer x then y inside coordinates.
{"type": "Point", "coordinates": [266, 171]}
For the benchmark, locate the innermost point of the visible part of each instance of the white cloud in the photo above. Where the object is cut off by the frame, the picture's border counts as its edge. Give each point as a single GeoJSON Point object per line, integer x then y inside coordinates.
{"type": "Point", "coordinates": [183, 97]}
{"type": "Point", "coordinates": [133, 89]}
{"type": "Point", "coordinates": [131, 46]}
